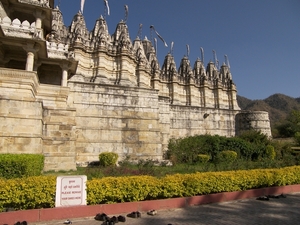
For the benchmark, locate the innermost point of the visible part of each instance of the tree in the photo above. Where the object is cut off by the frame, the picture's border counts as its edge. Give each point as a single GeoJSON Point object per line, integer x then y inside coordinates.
{"type": "Point", "coordinates": [291, 126]}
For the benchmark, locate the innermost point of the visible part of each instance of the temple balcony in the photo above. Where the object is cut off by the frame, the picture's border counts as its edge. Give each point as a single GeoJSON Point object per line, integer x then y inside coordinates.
{"type": "Point", "coordinates": [21, 30]}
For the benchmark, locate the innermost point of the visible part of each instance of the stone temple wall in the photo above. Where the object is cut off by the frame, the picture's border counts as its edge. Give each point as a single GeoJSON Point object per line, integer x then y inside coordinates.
{"type": "Point", "coordinates": [256, 120]}
{"type": "Point", "coordinates": [73, 125]}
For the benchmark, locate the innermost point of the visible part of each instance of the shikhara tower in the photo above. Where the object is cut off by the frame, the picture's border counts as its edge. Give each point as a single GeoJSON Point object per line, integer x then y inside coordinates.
{"type": "Point", "coordinates": [70, 93]}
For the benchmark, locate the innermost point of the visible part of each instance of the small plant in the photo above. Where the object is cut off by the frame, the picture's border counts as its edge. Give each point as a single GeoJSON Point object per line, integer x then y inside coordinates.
{"type": "Point", "coordinates": [270, 152]}
{"type": "Point", "coordinates": [227, 156]}
{"type": "Point", "coordinates": [108, 159]}
{"type": "Point", "coordinates": [203, 158]}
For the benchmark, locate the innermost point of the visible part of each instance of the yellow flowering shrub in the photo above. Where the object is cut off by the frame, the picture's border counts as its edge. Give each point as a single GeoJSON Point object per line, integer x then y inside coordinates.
{"type": "Point", "coordinates": [39, 192]}
{"type": "Point", "coordinates": [28, 193]}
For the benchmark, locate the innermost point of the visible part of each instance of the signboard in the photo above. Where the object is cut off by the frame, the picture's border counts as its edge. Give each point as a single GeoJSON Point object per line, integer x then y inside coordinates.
{"type": "Point", "coordinates": [70, 191]}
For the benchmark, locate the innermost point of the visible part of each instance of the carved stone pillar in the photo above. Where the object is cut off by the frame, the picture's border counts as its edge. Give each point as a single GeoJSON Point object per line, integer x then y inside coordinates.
{"type": "Point", "coordinates": [39, 17]}
{"type": "Point", "coordinates": [31, 49]}
{"type": "Point", "coordinates": [64, 80]}
{"type": "Point", "coordinates": [29, 61]}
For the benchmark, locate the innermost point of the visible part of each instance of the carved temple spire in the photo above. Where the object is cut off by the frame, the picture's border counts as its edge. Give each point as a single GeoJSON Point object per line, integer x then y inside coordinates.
{"type": "Point", "coordinates": [78, 30]}
{"type": "Point", "coordinates": [121, 36]}
{"type": "Point", "coordinates": [168, 71]}
{"type": "Point", "coordinates": [59, 31]}
{"type": "Point", "coordinates": [100, 34]}
{"type": "Point", "coordinates": [185, 70]}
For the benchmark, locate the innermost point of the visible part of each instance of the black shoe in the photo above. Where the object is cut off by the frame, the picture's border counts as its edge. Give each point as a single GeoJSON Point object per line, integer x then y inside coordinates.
{"type": "Point", "coordinates": [121, 218]}
{"type": "Point", "coordinates": [108, 222]}
{"type": "Point", "coordinates": [263, 198]}
{"type": "Point", "coordinates": [111, 222]}
{"type": "Point", "coordinates": [24, 223]}
{"type": "Point", "coordinates": [18, 223]}
{"type": "Point", "coordinates": [282, 196]}
{"type": "Point", "coordinates": [272, 196]}
{"type": "Point", "coordinates": [115, 219]}
{"type": "Point", "coordinates": [101, 217]}
{"type": "Point", "coordinates": [152, 212]}
{"type": "Point", "coordinates": [66, 222]}
{"type": "Point", "coordinates": [132, 215]}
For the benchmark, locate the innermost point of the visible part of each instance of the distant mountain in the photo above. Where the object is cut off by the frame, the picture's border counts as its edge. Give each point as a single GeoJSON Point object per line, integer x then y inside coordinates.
{"type": "Point", "coordinates": [278, 106]}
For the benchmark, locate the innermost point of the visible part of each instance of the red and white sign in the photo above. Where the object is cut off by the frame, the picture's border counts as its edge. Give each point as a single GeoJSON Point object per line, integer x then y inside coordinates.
{"type": "Point", "coordinates": [70, 191]}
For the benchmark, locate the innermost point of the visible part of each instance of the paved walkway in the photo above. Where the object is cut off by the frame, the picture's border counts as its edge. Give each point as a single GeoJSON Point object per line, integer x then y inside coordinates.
{"type": "Point", "coordinates": [276, 211]}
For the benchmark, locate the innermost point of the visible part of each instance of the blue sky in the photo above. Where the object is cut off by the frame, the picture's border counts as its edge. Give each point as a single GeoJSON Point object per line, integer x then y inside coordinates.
{"type": "Point", "coordinates": [260, 37]}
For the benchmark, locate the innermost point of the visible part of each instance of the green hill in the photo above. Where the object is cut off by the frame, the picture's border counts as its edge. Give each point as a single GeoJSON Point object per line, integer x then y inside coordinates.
{"type": "Point", "coordinates": [278, 106]}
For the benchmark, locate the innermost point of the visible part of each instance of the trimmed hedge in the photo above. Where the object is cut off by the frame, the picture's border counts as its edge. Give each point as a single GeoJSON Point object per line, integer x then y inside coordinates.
{"type": "Point", "coordinates": [108, 158]}
{"type": "Point", "coordinates": [203, 158]}
{"type": "Point", "coordinates": [226, 156]}
{"type": "Point", "coordinates": [28, 193]}
{"type": "Point", "coordinates": [21, 165]}
{"type": "Point", "coordinates": [39, 192]}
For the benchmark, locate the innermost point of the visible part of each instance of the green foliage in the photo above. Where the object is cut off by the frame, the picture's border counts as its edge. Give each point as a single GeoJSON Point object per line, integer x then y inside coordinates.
{"type": "Point", "coordinates": [258, 142]}
{"type": "Point", "coordinates": [108, 158]}
{"type": "Point", "coordinates": [226, 156]}
{"type": "Point", "coordinates": [297, 138]}
{"type": "Point", "coordinates": [181, 185]}
{"type": "Point", "coordinates": [28, 193]}
{"type": "Point", "coordinates": [270, 152]}
{"type": "Point", "coordinates": [39, 192]}
{"type": "Point", "coordinates": [20, 165]}
{"type": "Point", "coordinates": [203, 158]}
{"type": "Point", "coordinates": [291, 126]}
{"type": "Point", "coordinates": [242, 147]}
{"type": "Point", "coordinates": [249, 146]}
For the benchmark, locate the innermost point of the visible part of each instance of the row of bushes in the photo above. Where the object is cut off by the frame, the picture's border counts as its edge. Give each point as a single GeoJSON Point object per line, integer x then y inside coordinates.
{"type": "Point", "coordinates": [251, 145]}
{"type": "Point", "coordinates": [39, 192]}
{"type": "Point", "coordinates": [21, 165]}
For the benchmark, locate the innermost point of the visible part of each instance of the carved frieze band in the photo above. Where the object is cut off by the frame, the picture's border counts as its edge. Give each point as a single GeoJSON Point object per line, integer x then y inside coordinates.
{"type": "Point", "coordinates": [42, 3]}
{"type": "Point", "coordinates": [11, 74]}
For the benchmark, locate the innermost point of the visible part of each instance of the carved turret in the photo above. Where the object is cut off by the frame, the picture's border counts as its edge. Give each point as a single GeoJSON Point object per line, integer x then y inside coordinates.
{"type": "Point", "coordinates": [121, 37]}
{"type": "Point", "coordinates": [199, 72]}
{"type": "Point", "coordinates": [59, 31]}
{"type": "Point", "coordinates": [100, 36]}
{"type": "Point", "coordinates": [185, 70]}
{"type": "Point", "coordinates": [78, 31]}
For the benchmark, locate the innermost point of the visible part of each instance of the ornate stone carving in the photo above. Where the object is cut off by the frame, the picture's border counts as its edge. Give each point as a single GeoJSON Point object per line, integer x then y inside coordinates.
{"type": "Point", "coordinates": [78, 31]}
{"type": "Point", "coordinates": [100, 36]}
{"type": "Point", "coordinates": [185, 70]}
{"type": "Point", "coordinates": [121, 37]}
{"type": "Point", "coordinates": [42, 3]}
{"type": "Point", "coordinates": [17, 29]}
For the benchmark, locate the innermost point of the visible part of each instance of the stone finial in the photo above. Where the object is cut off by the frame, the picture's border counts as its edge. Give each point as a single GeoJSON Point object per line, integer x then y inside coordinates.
{"type": "Point", "coordinates": [121, 36]}
{"type": "Point", "coordinates": [78, 30]}
{"type": "Point", "coordinates": [168, 71]}
{"type": "Point", "coordinates": [100, 34]}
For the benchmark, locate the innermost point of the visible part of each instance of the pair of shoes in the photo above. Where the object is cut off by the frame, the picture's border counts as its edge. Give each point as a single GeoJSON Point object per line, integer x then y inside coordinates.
{"type": "Point", "coordinates": [263, 198]}
{"type": "Point", "coordinates": [68, 222]}
{"type": "Point", "coordinates": [136, 214]}
{"type": "Point", "coordinates": [113, 220]}
{"type": "Point", "coordinates": [152, 212]}
{"type": "Point", "coordinates": [272, 196]}
{"type": "Point", "coordinates": [21, 223]}
{"type": "Point", "coordinates": [121, 218]}
{"type": "Point", "coordinates": [101, 217]}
